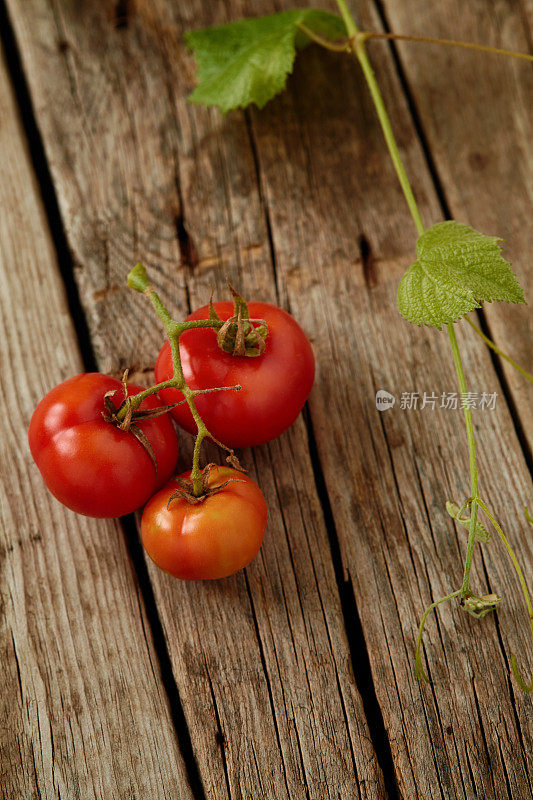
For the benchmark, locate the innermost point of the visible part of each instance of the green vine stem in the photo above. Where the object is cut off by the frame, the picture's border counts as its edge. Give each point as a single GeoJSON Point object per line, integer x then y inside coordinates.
{"type": "Point", "coordinates": [138, 280]}
{"type": "Point", "coordinates": [472, 461]}
{"type": "Point", "coordinates": [499, 351]}
{"type": "Point", "coordinates": [358, 48]}
{"type": "Point", "coordinates": [356, 45]}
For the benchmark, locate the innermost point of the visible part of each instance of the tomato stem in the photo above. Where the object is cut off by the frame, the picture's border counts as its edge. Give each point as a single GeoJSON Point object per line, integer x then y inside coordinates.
{"type": "Point", "coordinates": [136, 399]}
{"type": "Point", "coordinates": [138, 280]}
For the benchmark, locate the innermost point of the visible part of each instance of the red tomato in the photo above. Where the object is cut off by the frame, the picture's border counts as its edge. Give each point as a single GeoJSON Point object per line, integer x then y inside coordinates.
{"type": "Point", "coordinates": [90, 465]}
{"type": "Point", "coordinates": [275, 385]}
{"type": "Point", "coordinates": [212, 539]}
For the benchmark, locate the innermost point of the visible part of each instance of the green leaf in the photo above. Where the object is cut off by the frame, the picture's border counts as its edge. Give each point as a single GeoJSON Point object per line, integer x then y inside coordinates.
{"type": "Point", "coordinates": [248, 61]}
{"type": "Point", "coordinates": [457, 268]}
{"type": "Point", "coordinates": [481, 535]}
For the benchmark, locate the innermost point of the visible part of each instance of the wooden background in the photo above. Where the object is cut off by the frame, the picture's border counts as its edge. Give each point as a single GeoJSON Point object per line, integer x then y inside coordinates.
{"type": "Point", "coordinates": [293, 679]}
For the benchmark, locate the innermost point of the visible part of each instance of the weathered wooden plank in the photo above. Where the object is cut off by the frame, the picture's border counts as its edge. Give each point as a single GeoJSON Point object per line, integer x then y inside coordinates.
{"type": "Point", "coordinates": [261, 660]}
{"type": "Point", "coordinates": [487, 176]}
{"type": "Point", "coordinates": [326, 183]}
{"type": "Point", "coordinates": [82, 708]}
{"type": "Point", "coordinates": [447, 742]}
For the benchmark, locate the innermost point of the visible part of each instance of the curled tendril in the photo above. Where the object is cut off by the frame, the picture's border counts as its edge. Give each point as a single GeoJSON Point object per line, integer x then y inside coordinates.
{"type": "Point", "coordinates": [420, 672]}
{"type": "Point", "coordinates": [526, 686]}
{"type": "Point", "coordinates": [480, 606]}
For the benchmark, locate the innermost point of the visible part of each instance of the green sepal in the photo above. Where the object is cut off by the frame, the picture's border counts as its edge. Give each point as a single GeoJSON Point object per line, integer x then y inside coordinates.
{"type": "Point", "coordinates": [213, 316]}
{"type": "Point", "coordinates": [240, 306]}
{"type": "Point", "coordinates": [238, 335]}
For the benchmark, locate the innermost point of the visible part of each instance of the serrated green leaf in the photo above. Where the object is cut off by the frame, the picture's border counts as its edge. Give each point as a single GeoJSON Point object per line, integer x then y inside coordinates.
{"type": "Point", "coordinates": [481, 535]}
{"type": "Point", "coordinates": [457, 268]}
{"type": "Point", "coordinates": [248, 61]}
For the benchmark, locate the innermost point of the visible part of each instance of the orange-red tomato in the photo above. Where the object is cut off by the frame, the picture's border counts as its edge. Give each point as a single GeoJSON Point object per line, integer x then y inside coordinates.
{"type": "Point", "coordinates": [90, 465]}
{"type": "Point", "coordinates": [211, 539]}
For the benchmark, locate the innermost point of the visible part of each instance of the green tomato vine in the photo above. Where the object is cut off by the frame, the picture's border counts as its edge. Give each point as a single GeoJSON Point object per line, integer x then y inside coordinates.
{"type": "Point", "coordinates": [457, 268]}
{"type": "Point", "coordinates": [239, 335]}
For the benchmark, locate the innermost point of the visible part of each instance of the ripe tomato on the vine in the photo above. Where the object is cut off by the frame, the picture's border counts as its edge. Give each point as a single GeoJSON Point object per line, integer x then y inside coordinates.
{"type": "Point", "coordinates": [90, 465]}
{"type": "Point", "coordinates": [211, 539]}
{"type": "Point", "coordinates": [275, 385]}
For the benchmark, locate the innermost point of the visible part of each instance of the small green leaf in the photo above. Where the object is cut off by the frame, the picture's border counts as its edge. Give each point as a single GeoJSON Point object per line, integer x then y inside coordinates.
{"type": "Point", "coordinates": [248, 61]}
{"type": "Point", "coordinates": [457, 268]}
{"type": "Point", "coordinates": [482, 534]}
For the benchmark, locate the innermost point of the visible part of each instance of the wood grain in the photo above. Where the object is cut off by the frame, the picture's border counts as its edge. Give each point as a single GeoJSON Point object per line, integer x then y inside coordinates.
{"type": "Point", "coordinates": [82, 708]}
{"type": "Point", "coordinates": [388, 499]}
{"type": "Point", "coordinates": [261, 660]}
{"type": "Point", "coordinates": [299, 203]}
{"type": "Point", "coordinates": [487, 177]}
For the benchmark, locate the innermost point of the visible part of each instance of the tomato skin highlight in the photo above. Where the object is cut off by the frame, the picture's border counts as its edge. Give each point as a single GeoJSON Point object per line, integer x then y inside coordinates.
{"type": "Point", "coordinates": [88, 464]}
{"type": "Point", "coordinates": [275, 385]}
{"type": "Point", "coordinates": [209, 540]}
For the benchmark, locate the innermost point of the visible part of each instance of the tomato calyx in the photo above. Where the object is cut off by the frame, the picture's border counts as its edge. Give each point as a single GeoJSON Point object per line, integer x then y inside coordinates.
{"type": "Point", "coordinates": [239, 335]}
{"type": "Point", "coordinates": [186, 487]}
{"type": "Point", "coordinates": [125, 415]}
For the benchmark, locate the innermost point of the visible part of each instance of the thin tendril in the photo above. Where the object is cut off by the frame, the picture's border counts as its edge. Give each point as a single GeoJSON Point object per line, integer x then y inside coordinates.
{"type": "Point", "coordinates": [484, 48]}
{"type": "Point", "coordinates": [527, 687]}
{"type": "Point", "coordinates": [335, 47]}
{"type": "Point", "coordinates": [500, 352]}
{"type": "Point", "coordinates": [420, 673]}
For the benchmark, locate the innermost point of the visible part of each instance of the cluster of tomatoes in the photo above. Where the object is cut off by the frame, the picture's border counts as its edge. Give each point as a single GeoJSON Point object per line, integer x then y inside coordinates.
{"type": "Point", "coordinates": [97, 468]}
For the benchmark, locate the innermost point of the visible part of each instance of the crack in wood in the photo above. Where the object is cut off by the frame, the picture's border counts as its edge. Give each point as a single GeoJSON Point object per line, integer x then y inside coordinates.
{"type": "Point", "coordinates": [356, 640]}
{"type": "Point", "coordinates": [368, 261]}
{"type": "Point", "coordinates": [46, 185]}
{"type": "Point", "coordinates": [131, 537]}
{"type": "Point", "coordinates": [123, 13]}
{"type": "Point", "coordinates": [188, 252]}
